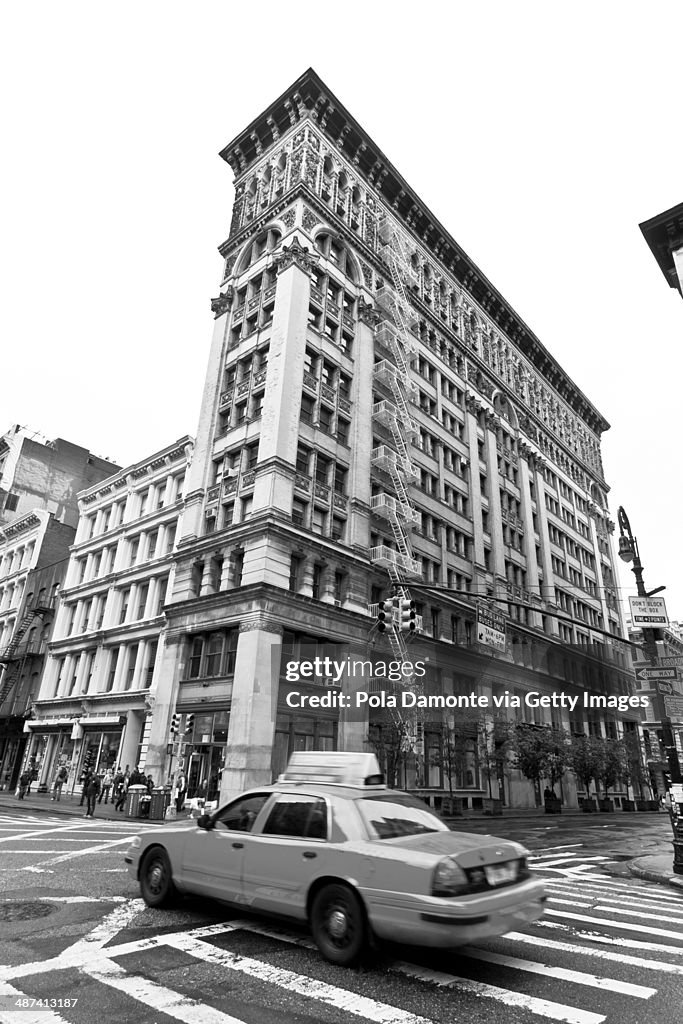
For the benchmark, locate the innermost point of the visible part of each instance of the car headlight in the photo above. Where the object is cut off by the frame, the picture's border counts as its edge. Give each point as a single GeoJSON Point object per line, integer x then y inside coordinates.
{"type": "Point", "coordinates": [449, 879]}
{"type": "Point", "coordinates": [136, 844]}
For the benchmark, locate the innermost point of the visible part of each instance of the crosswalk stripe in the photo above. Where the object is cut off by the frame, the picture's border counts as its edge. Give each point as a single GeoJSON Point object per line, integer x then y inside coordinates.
{"type": "Point", "coordinates": [610, 940]}
{"type": "Point", "coordinates": [645, 929]}
{"type": "Point", "coordinates": [600, 954]}
{"type": "Point", "coordinates": [339, 998]}
{"type": "Point", "coordinates": [561, 973]}
{"type": "Point", "coordinates": [620, 890]}
{"type": "Point", "coordinates": [640, 914]}
{"type": "Point", "coordinates": [604, 895]}
{"type": "Point", "coordinates": [182, 1007]}
{"type": "Point", "coordinates": [17, 1014]}
{"type": "Point", "coordinates": [541, 1007]}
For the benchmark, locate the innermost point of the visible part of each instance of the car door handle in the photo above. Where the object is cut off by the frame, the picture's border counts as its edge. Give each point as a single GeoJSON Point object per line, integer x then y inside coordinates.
{"type": "Point", "coordinates": [309, 855]}
{"type": "Point", "coordinates": [238, 846]}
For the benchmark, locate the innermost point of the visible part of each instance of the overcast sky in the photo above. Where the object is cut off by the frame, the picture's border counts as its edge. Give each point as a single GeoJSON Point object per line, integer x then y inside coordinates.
{"type": "Point", "coordinates": [540, 134]}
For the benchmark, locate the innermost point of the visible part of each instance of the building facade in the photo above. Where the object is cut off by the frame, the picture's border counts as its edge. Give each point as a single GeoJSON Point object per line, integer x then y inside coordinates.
{"type": "Point", "coordinates": [36, 473]}
{"type": "Point", "coordinates": [664, 235]}
{"type": "Point", "coordinates": [296, 519]}
{"type": "Point", "coordinates": [99, 687]}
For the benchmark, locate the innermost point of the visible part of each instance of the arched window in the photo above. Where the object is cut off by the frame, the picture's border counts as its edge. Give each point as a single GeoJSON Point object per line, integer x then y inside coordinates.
{"type": "Point", "coordinates": [333, 250]}
{"type": "Point", "coordinates": [265, 242]}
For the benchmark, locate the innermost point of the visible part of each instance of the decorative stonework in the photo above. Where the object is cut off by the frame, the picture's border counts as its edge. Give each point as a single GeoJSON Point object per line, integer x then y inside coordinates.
{"type": "Point", "coordinates": [367, 314]}
{"type": "Point", "coordinates": [221, 304]}
{"type": "Point", "coordinates": [368, 274]}
{"type": "Point", "coordinates": [297, 255]}
{"type": "Point", "coordinates": [261, 621]}
{"type": "Point", "coordinates": [289, 218]}
{"type": "Point", "coordinates": [309, 219]}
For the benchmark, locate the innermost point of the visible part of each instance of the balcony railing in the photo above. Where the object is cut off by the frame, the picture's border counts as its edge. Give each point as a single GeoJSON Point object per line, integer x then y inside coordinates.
{"type": "Point", "coordinates": [388, 506]}
{"type": "Point", "coordinates": [388, 558]}
{"type": "Point", "coordinates": [387, 460]}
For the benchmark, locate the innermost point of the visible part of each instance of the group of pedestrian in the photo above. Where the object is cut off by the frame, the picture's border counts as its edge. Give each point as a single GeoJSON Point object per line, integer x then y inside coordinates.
{"type": "Point", "coordinates": [95, 787]}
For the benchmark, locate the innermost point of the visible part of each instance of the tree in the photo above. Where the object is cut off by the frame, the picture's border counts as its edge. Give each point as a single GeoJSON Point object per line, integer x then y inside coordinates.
{"type": "Point", "coordinates": [392, 741]}
{"type": "Point", "coordinates": [458, 742]}
{"type": "Point", "coordinates": [633, 773]}
{"type": "Point", "coordinates": [612, 763]}
{"type": "Point", "coordinates": [495, 743]}
{"type": "Point", "coordinates": [586, 755]}
{"type": "Point", "coordinates": [540, 751]}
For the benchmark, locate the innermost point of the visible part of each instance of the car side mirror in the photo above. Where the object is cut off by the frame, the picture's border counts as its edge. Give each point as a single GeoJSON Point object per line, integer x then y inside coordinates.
{"type": "Point", "coordinates": [205, 821]}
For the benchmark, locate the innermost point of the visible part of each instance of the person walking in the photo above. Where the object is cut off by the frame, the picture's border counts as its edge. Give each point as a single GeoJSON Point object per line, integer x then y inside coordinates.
{"type": "Point", "coordinates": [120, 788]}
{"type": "Point", "coordinates": [24, 783]}
{"type": "Point", "coordinates": [107, 783]}
{"type": "Point", "coordinates": [181, 790]}
{"type": "Point", "coordinates": [60, 778]}
{"type": "Point", "coordinates": [92, 790]}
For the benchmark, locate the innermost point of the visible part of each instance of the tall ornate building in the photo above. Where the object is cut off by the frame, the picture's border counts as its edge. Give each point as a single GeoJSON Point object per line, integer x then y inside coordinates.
{"type": "Point", "coordinates": [375, 415]}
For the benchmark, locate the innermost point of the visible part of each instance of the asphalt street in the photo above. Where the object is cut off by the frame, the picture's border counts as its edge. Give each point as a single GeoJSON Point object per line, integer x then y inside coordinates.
{"type": "Point", "coordinates": [74, 933]}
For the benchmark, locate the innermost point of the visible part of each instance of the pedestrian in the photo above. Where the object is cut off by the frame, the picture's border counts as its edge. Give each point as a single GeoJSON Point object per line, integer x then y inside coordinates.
{"type": "Point", "coordinates": [24, 783]}
{"type": "Point", "coordinates": [107, 783]}
{"type": "Point", "coordinates": [120, 788]}
{"type": "Point", "coordinates": [60, 778]}
{"type": "Point", "coordinates": [136, 777]}
{"type": "Point", "coordinates": [91, 790]}
{"type": "Point", "coordinates": [150, 784]}
{"type": "Point", "coordinates": [548, 794]}
{"type": "Point", "coordinates": [181, 790]}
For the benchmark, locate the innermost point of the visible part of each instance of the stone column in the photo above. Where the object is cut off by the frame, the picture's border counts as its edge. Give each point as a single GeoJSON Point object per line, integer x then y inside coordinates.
{"type": "Point", "coordinates": [161, 700]}
{"type": "Point", "coordinates": [533, 582]}
{"type": "Point", "coordinates": [360, 436]}
{"type": "Point", "coordinates": [473, 407]}
{"type": "Point", "coordinates": [251, 732]}
{"type": "Point", "coordinates": [548, 588]}
{"type": "Point", "coordinates": [495, 516]}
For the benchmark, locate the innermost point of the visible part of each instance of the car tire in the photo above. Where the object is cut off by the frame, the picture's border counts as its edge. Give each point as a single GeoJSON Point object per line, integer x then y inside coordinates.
{"type": "Point", "coordinates": [338, 924]}
{"type": "Point", "coordinates": [156, 879]}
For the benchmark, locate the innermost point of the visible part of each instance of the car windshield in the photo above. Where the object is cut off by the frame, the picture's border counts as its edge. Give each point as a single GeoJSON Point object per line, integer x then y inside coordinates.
{"type": "Point", "coordinates": [391, 815]}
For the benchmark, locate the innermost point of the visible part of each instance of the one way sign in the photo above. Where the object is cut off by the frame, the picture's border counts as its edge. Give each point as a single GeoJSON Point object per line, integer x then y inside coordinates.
{"type": "Point", "coordinates": [656, 673]}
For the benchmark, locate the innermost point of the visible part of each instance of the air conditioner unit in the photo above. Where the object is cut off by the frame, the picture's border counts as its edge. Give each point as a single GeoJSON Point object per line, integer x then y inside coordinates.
{"type": "Point", "coordinates": [231, 472]}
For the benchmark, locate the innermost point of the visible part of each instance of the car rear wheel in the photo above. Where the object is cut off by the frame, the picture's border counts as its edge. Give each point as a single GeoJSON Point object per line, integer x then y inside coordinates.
{"type": "Point", "coordinates": [338, 924]}
{"type": "Point", "coordinates": [156, 880]}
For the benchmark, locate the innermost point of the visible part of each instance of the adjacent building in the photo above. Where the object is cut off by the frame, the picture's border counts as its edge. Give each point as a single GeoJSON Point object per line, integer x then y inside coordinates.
{"type": "Point", "coordinates": [99, 687]}
{"type": "Point", "coordinates": [459, 465]}
{"type": "Point", "coordinates": [664, 235]}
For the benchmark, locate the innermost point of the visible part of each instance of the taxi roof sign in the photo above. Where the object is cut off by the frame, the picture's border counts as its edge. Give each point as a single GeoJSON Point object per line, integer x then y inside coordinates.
{"type": "Point", "coordinates": [348, 768]}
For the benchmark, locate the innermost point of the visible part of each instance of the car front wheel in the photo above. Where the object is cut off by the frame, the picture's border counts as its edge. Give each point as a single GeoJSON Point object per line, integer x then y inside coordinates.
{"type": "Point", "coordinates": [338, 924]}
{"type": "Point", "coordinates": [156, 880]}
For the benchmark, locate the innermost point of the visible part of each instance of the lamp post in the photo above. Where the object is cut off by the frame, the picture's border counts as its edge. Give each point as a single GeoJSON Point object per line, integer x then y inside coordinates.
{"type": "Point", "coordinates": [628, 552]}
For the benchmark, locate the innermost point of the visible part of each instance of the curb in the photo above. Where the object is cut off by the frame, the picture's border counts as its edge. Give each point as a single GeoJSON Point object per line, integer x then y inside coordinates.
{"type": "Point", "coordinates": [675, 881]}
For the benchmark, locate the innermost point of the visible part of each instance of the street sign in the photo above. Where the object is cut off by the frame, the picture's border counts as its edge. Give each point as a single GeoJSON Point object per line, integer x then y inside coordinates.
{"type": "Point", "coordinates": [648, 611]}
{"type": "Point", "coordinates": [656, 673]}
{"type": "Point", "coordinates": [491, 628]}
{"type": "Point", "coordinates": [672, 661]}
{"type": "Point", "coordinates": [665, 687]}
{"type": "Point", "coordinates": [673, 707]}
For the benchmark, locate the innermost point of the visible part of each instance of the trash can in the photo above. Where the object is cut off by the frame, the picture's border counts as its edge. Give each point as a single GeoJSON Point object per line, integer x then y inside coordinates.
{"type": "Point", "coordinates": [144, 805]}
{"type": "Point", "coordinates": [133, 796]}
{"type": "Point", "coordinates": [161, 798]}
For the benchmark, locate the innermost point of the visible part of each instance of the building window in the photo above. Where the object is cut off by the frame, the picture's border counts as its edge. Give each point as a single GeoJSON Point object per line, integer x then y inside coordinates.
{"type": "Point", "coordinates": [134, 548]}
{"type": "Point", "coordinates": [132, 658]}
{"type": "Point", "coordinates": [113, 662]}
{"type": "Point", "coordinates": [161, 594]}
{"type": "Point", "coordinates": [307, 407]}
{"type": "Point", "coordinates": [325, 419]}
{"type": "Point", "coordinates": [299, 513]}
{"type": "Point", "coordinates": [151, 661]}
{"type": "Point", "coordinates": [11, 502]}
{"type": "Point", "coordinates": [338, 528]}
{"type": "Point", "coordinates": [317, 581]}
{"type": "Point", "coordinates": [143, 591]}
{"type": "Point", "coordinates": [125, 598]}
{"type": "Point", "coordinates": [295, 569]}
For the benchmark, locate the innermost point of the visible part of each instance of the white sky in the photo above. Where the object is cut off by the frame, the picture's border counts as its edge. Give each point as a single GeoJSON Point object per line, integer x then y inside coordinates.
{"type": "Point", "coordinates": [539, 134]}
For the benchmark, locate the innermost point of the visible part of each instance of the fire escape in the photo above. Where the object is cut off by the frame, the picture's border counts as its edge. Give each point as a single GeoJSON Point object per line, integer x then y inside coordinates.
{"type": "Point", "coordinates": [12, 657]}
{"type": "Point", "coordinates": [394, 334]}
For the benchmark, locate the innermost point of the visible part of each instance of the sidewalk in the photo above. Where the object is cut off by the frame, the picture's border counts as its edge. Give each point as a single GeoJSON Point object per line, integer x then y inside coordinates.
{"type": "Point", "coordinates": [657, 868]}
{"type": "Point", "coordinates": [69, 806]}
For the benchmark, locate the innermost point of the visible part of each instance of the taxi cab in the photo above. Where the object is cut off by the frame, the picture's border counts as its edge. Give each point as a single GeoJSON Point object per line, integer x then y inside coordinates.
{"type": "Point", "coordinates": [330, 844]}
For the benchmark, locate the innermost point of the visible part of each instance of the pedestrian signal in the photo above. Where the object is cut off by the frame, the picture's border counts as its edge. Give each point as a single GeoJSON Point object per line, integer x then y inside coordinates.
{"type": "Point", "coordinates": [175, 725]}
{"type": "Point", "coordinates": [407, 618]}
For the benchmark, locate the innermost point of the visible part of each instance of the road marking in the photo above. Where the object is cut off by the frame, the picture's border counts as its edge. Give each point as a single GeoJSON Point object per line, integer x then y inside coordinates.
{"type": "Point", "coordinates": [645, 929]}
{"type": "Point", "coordinates": [600, 954]}
{"type": "Point", "coordinates": [85, 899]}
{"type": "Point", "coordinates": [561, 973]}
{"type": "Point", "coordinates": [610, 940]}
{"type": "Point", "coordinates": [620, 890]}
{"type": "Point", "coordinates": [596, 895]}
{"type": "Point", "coordinates": [571, 903]}
{"type": "Point", "coordinates": [160, 998]}
{"type": "Point", "coordinates": [45, 832]}
{"type": "Point", "coordinates": [640, 914]}
{"type": "Point", "coordinates": [339, 998]}
{"type": "Point", "coordinates": [541, 1007]}
{"type": "Point", "coordinates": [77, 853]}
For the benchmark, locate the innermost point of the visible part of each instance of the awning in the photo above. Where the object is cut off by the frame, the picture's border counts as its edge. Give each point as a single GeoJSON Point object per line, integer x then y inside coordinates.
{"type": "Point", "coordinates": [87, 720]}
{"type": "Point", "coordinates": [46, 723]}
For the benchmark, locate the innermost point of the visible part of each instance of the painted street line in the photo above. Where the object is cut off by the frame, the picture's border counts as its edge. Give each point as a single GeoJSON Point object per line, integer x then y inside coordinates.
{"type": "Point", "coordinates": [339, 998]}
{"type": "Point", "coordinates": [47, 832]}
{"type": "Point", "coordinates": [645, 929]}
{"type": "Point", "coordinates": [77, 853]}
{"type": "Point", "coordinates": [638, 892]}
{"type": "Point", "coordinates": [561, 973]}
{"type": "Point", "coordinates": [610, 940]}
{"type": "Point", "coordinates": [600, 954]}
{"type": "Point", "coordinates": [640, 914]}
{"type": "Point", "coordinates": [541, 1007]}
{"type": "Point", "coordinates": [160, 998]}
{"type": "Point", "coordinates": [85, 899]}
{"type": "Point", "coordinates": [604, 896]}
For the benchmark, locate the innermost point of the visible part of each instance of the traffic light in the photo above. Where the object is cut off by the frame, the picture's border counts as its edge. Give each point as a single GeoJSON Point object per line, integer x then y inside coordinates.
{"type": "Point", "coordinates": [385, 614]}
{"type": "Point", "coordinates": [407, 618]}
{"type": "Point", "coordinates": [175, 725]}
{"type": "Point", "coordinates": [88, 760]}
{"type": "Point", "coordinates": [189, 724]}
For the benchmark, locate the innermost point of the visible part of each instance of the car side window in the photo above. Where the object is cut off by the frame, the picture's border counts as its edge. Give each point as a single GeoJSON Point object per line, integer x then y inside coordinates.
{"type": "Point", "coordinates": [301, 817]}
{"type": "Point", "coordinates": [240, 815]}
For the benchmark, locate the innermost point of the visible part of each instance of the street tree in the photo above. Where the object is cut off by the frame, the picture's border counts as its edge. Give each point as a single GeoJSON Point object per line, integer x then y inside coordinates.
{"type": "Point", "coordinates": [540, 752]}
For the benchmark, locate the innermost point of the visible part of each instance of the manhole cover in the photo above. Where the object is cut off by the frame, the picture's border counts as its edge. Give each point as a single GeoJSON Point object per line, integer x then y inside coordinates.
{"type": "Point", "coordinates": [24, 911]}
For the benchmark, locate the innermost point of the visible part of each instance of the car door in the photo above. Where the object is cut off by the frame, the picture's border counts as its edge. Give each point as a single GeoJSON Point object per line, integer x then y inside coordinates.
{"type": "Point", "coordinates": [213, 857]}
{"type": "Point", "coordinates": [289, 848]}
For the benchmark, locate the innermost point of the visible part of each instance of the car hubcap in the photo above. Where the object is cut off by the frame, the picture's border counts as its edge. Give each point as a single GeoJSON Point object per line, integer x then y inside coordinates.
{"type": "Point", "coordinates": [156, 875]}
{"type": "Point", "coordinates": [337, 923]}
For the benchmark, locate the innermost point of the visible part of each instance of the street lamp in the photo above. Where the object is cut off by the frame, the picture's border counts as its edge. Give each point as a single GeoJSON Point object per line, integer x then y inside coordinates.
{"type": "Point", "coordinates": [628, 552]}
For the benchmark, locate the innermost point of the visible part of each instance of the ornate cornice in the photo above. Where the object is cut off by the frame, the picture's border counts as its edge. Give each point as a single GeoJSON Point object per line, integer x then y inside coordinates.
{"type": "Point", "coordinates": [221, 304]}
{"type": "Point", "coordinates": [367, 314]}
